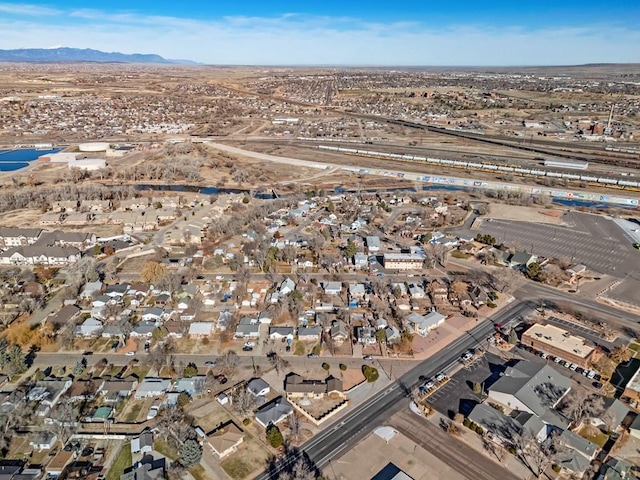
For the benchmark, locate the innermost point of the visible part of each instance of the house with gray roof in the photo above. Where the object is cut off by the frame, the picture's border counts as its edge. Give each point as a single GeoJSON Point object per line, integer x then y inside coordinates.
{"type": "Point", "coordinates": [279, 332]}
{"type": "Point", "coordinates": [577, 454]}
{"type": "Point", "coordinates": [532, 387]}
{"type": "Point", "coordinates": [339, 331]}
{"type": "Point", "coordinates": [310, 333]}
{"type": "Point", "coordinates": [423, 324]}
{"type": "Point", "coordinates": [258, 387]}
{"type": "Point", "coordinates": [142, 443]}
{"type": "Point", "coordinates": [152, 387]}
{"type": "Point", "coordinates": [16, 237]}
{"type": "Point", "coordinates": [332, 288]}
{"type": "Point", "coordinates": [248, 328]}
{"type": "Point", "coordinates": [273, 412]}
{"type": "Point", "coordinates": [191, 385]}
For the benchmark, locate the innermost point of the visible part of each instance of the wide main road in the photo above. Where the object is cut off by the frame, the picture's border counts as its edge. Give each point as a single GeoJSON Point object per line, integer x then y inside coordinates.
{"type": "Point", "coordinates": [347, 431]}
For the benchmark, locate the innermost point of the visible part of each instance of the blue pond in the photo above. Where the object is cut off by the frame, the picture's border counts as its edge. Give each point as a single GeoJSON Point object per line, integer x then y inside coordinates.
{"type": "Point", "coordinates": [11, 160]}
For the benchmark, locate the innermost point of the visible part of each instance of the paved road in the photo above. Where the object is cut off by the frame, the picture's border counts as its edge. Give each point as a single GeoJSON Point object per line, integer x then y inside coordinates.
{"type": "Point", "coordinates": [69, 358]}
{"type": "Point", "coordinates": [458, 455]}
{"type": "Point", "coordinates": [347, 431]}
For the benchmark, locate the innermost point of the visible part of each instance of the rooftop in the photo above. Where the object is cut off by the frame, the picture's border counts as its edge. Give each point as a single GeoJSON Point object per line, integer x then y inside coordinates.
{"type": "Point", "coordinates": [560, 339]}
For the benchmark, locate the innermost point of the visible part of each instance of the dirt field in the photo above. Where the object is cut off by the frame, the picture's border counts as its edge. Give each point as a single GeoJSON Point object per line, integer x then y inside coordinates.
{"type": "Point", "coordinates": [525, 214]}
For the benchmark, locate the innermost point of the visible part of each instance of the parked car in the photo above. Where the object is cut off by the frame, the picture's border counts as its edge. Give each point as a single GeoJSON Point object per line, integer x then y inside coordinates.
{"type": "Point", "coordinates": [87, 353]}
{"type": "Point", "coordinates": [591, 375]}
{"type": "Point", "coordinates": [247, 348]}
{"type": "Point", "coordinates": [367, 357]}
{"type": "Point", "coordinates": [313, 355]}
{"type": "Point", "coordinates": [209, 363]}
{"type": "Point", "coordinates": [440, 377]}
{"type": "Point", "coordinates": [573, 367]}
{"type": "Point", "coordinates": [130, 354]}
{"type": "Point", "coordinates": [557, 359]}
{"type": "Point", "coordinates": [597, 385]}
{"type": "Point", "coordinates": [221, 379]}
{"type": "Point", "coordinates": [467, 356]}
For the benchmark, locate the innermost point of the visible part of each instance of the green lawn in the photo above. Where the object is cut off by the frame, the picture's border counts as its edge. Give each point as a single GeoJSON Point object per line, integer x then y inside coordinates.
{"type": "Point", "coordinates": [122, 461]}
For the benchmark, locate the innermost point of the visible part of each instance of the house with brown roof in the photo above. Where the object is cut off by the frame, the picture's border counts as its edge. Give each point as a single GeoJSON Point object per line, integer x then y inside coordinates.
{"type": "Point", "coordinates": [65, 315]}
{"type": "Point", "coordinates": [297, 386]}
{"type": "Point", "coordinates": [114, 390]}
{"type": "Point", "coordinates": [83, 390]}
{"type": "Point", "coordinates": [225, 439]}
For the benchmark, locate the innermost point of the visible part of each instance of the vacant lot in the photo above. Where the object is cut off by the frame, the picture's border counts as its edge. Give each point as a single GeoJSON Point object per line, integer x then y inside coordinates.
{"type": "Point", "coordinates": [211, 415]}
{"type": "Point", "coordinates": [250, 458]}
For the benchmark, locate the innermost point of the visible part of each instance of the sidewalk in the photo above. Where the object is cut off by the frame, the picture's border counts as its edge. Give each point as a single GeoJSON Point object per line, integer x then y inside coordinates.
{"type": "Point", "coordinates": [474, 440]}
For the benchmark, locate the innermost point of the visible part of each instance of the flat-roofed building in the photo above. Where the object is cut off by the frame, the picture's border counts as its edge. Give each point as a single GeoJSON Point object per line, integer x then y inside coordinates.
{"type": "Point", "coordinates": [402, 261]}
{"type": "Point", "coordinates": [559, 343]}
{"type": "Point", "coordinates": [632, 390]}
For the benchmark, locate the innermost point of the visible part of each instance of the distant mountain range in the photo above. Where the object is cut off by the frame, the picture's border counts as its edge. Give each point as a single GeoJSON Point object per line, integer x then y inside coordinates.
{"type": "Point", "coordinates": [65, 54]}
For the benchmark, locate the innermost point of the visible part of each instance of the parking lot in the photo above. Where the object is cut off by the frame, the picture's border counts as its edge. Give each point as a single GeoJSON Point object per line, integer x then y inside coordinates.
{"type": "Point", "coordinates": [593, 240]}
{"type": "Point", "coordinates": [457, 393]}
{"type": "Point", "coordinates": [585, 332]}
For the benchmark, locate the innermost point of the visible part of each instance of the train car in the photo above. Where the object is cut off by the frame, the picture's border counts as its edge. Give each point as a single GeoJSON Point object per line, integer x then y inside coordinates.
{"type": "Point", "coordinates": [586, 178]}
{"type": "Point", "coordinates": [419, 159]}
{"type": "Point", "coordinates": [433, 160]}
{"type": "Point", "coordinates": [554, 174]}
{"type": "Point", "coordinates": [538, 173]}
{"type": "Point", "coordinates": [488, 166]}
{"type": "Point", "coordinates": [474, 165]}
{"type": "Point", "coordinates": [525, 171]}
{"type": "Point", "coordinates": [458, 163]}
{"type": "Point", "coordinates": [607, 181]}
{"type": "Point", "coordinates": [505, 169]}
{"type": "Point", "coordinates": [407, 157]}
{"type": "Point", "coordinates": [571, 176]}
{"type": "Point", "coordinates": [446, 162]}
{"type": "Point", "coordinates": [627, 183]}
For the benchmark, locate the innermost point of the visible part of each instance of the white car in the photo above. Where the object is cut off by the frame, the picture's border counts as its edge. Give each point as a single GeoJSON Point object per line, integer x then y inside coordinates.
{"type": "Point", "coordinates": [591, 375]}
{"type": "Point", "coordinates": [573, 367]}
{"type": "Point", "coordinates": [545, 356]}
{"type": "Point", "coordinates": [557, 359]}
{"type": "Point", "coordinates": [249, 344]}
{"type": "Point", "coordinates": [467, 356]}
{"type": "Point", "coordinates": [130, 354]}
{"type": "Point", "coordinates": [440, 377]}
{"type": "Point", "coordinates": [219, 277]}
{"type": "Point", "coordinates": [566, 364]}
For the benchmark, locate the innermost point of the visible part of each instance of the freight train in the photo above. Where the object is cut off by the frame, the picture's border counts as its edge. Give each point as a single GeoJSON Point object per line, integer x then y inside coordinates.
{"type": "Point", "coordinates": [516, 170]}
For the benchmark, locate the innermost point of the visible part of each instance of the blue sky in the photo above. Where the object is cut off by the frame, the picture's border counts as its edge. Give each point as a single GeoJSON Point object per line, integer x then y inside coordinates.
{"type": "Point", "coordinates": [268, 32]}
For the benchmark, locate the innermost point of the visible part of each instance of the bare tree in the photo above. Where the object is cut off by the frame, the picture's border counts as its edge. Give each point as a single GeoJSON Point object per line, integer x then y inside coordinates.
{"type": "Point", "coordinates": [228, 363]}
{"type": "Point", "coordinates": [506, 280]}
{"type": "Point", "coordinates": [580, 404]}
{"type": "Point", "coordinates": [277, 362]}
{"type": "Point", "coordinates": [242, 400]}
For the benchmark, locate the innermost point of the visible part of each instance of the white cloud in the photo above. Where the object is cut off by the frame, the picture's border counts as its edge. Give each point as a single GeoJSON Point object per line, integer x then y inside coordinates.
{"type": "Point", "coordinates": [27, 9]}
{"type": "Point", "coordinates": [302, 39]}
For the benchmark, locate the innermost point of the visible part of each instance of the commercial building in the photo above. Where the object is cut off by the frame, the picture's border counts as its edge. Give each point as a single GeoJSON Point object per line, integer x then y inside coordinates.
{"type": "Point", "coordinates": [632, 390]}
{"type": "Point", "coordinates": [559, 343]}
{"type": "Point", "coordinates": [402, 261]}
